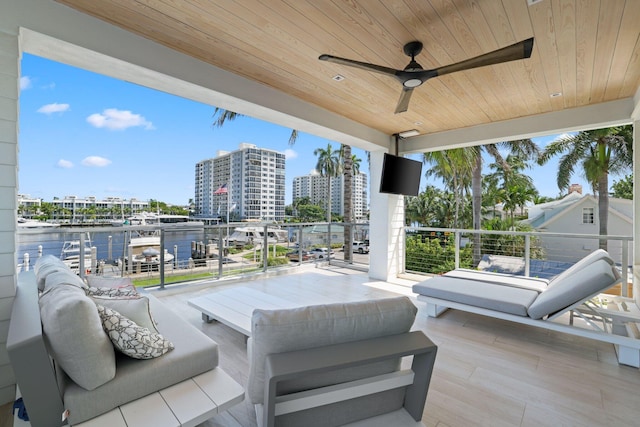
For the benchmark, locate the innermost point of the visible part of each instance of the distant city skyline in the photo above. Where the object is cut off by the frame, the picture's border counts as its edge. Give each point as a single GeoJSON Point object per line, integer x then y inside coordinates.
{"type": "Point", "coordinates": [85, 134]}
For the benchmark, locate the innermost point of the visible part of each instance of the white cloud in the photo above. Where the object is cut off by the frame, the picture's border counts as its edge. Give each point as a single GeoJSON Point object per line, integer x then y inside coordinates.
{"type": "Point", "coordinates": [95, 161]}
{"type": "Point", "coordinates": [314, 172]}
{"type": "Point", "coordinates": [66, 164]}
{"type": "Point", "coordinates": [53, 108]}
{"type": "Point", "coordinates": [114, 119]}
{"type": "Point", "coordinates": [25, 82]}
{"type": "Point", "coordinates": [290, 154]}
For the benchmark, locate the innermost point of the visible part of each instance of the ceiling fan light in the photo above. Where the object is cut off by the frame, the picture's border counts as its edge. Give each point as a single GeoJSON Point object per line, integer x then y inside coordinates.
{"type": "Point", "coordinates": [411, 83]}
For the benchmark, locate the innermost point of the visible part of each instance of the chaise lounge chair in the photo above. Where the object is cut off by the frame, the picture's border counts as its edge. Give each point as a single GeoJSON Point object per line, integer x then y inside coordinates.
{"type": "Point", "coordinates": [540, 302]}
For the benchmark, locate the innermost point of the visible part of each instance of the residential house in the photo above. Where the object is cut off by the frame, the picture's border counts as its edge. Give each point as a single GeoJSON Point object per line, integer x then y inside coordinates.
{"type": "Point", "coordinates": [576, 213]}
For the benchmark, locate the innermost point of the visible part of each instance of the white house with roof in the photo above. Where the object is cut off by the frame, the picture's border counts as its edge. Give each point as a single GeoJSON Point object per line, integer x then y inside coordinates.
{"type": "Point", "coordinates": [578, 214]}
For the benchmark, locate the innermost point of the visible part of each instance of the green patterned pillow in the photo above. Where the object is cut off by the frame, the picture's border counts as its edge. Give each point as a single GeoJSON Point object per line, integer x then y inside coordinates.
{"type": "Point", "coordinates": [131, 339]}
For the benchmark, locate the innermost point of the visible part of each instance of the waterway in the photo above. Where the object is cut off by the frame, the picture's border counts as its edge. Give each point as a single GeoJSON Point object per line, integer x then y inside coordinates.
{"type": "Point", "coordinates": [52, 243]}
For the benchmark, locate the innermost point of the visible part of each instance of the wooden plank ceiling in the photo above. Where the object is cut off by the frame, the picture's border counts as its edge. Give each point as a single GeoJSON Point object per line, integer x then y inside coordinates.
{"type": "Point", "coordinates": [585, 51]}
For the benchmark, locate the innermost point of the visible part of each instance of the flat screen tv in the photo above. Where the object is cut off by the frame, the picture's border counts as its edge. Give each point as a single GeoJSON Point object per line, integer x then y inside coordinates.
{"type": "Point", "coordinates": [400, 175]}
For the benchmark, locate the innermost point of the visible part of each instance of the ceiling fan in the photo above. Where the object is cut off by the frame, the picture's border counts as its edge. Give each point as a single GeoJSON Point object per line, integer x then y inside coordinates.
{"type": "Point", "coordinates": [413, 75]}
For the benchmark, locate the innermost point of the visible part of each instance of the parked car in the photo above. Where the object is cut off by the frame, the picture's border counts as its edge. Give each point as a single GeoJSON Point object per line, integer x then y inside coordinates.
{"type": "Point", "coordinates": [295, 256]}
{"type": "Point", "coordinates": [320, 253]}
{"type": "Point", "coordinates": [359, 247]}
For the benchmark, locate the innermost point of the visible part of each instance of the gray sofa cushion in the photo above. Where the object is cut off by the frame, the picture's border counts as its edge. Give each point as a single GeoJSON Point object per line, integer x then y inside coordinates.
{"type": "Point", "coordinates": [194, 353]}
{"type": "Point", "coordinates": [74, 332]}
{"type": "Point", "coordinates": [48, 264]}
{"type": "Point", "coordinates": [277, 331]}
{"type": "Point", "coordinates": [492, 296]}
{"type": "Point", "coordinates": [567, 290]}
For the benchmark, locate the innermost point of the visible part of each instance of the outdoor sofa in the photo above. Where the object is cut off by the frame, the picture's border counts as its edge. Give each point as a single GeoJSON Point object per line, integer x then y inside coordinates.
{"type": "Point", "coordinates": [68, 371]}
{"type": "Point", "coordinates": [542, 303]}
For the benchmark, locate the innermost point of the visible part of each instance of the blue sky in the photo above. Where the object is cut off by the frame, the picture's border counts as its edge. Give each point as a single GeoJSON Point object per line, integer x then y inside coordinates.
{"type": "Point", "coordinates": [85, 134]}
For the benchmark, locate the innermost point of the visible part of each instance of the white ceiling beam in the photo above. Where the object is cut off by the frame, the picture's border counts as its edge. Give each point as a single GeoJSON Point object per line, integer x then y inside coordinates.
{"type": "Point", "coordinates": [606, 114]}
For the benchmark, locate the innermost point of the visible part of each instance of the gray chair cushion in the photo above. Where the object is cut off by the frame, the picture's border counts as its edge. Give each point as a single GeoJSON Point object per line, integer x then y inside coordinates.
{"type": "Point", "coordinates": [492, 296]}
{"type": "Point", "coordinates": [277, 331]}
{"type": "Point", "coordinates": [74, 332]}
{"type": "Point", "coordinates": [578, 286]}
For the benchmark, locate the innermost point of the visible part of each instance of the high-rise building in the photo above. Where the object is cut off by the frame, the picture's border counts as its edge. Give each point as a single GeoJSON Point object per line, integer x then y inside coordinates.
{"type": "Point", "coordinates": [246, 184]}
{"type": "Point", "coordinates": [315, 188]}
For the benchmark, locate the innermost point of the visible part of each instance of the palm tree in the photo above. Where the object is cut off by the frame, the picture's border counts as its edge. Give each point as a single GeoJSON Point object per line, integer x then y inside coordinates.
{"type": "Point", "coordinates": [347, 168]}
{"type": "Point", "coordinates": [454, 167]}
{"type": "Point", "coordinates": [329, 166]}
{"type": "Point", "coordinates": [600, 152]}
{"type": "Point", "coordinates": [514, 186]}
{"type": "Point", "coordinates": [524, 148]}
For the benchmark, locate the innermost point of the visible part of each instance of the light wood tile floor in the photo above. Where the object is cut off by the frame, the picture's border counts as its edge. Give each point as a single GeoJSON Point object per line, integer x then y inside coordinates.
{"type": "Point", "coordinates": [488, 372]}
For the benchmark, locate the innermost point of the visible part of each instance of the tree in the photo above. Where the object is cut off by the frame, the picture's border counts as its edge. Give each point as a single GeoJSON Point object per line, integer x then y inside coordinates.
{"type": "Point", "coordinates": [224, 116]}
{"type": "Point", "coordinates": [347, 169]}
{"type": "Point", "coordinates": [623, 189]}
{"type": "Point", "coordinates": [524, 148]}
{"type": "Point", "coordinates": [599, 152]}
{"type": "Point", "coordinates": [454, 167]}
{"type": "Point", "coordinates": [328, 165]}
{"type": "Point", "coordinates": [514, 187]}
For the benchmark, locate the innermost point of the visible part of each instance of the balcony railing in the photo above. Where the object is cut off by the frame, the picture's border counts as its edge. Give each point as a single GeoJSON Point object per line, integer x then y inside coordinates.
{"type": "Point", "coordinates": [536, 254]}
{"type": "Point", "coordinates": [187, 252]}
{"type": "Point", "coordinates": [158, 255]}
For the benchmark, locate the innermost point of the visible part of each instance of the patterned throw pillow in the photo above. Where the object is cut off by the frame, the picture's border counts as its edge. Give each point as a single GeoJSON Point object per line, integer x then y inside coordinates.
{"type": "Point", "coordinates": [131, 339]}
{"type": "Point", "coordinates": [135, 308]}
{"type": "Point", "coordinates": [110, 282]}
{"type": "Point", "coordinates": [111, 292]}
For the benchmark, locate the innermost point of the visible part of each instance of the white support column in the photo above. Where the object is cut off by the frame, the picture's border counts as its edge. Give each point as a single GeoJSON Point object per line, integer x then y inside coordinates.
{"type": "Point", "coordinates": [386, 256]}
{"type": "Point", "coordinates": [9, 89]}
{"type": "Point", "coordinates": [636, 201]}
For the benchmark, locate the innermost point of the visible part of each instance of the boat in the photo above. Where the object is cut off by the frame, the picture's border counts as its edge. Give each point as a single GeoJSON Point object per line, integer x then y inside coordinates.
{"type": "Point", "coordinates": [147, 218]}
{"type": "Point", "coordinates": [70, 254]}
{"type": "Point", "coordinates": [253, 235]}
{"type": "Point", "coordinates": [33, 223]}
{"type": "Point", "coordinates": [144, 252]}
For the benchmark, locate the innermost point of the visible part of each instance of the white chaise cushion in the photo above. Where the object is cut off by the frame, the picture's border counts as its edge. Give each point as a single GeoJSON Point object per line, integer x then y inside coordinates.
{"type": "Point", "coordinates": [531, 283]}
{"type": "Point", "coordinates": [489, 295]}
{"type": "Point", "coordinates": [569, 289]}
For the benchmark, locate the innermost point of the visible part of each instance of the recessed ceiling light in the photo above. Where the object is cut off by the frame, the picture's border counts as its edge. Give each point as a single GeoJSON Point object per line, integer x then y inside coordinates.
{"type": "Point", "coordinates": [338, 78]}
{"type": "Point", "coordinates": [532, 2]}
{"type": "Point", "coordinates": [555, 94]}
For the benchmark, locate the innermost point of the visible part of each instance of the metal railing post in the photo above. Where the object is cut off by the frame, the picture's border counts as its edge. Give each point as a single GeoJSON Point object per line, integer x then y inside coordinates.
{"type": "Point", "coordinates": [625, 268]}
{"type": "Point", "coordinates": [81, 270]}
{"type": "Point", "coordinates": [457, 248]}
{"type": "Point", "coordinates": [161, 258]}
{"type": "Point", "coordinates": [221, 251]}
{"type": "Point", "coordinates": [527, 255]}
{"type": "Point", "coordinates": [265, 249]}
{"type": "Point", "coordinates": [329, 243]}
